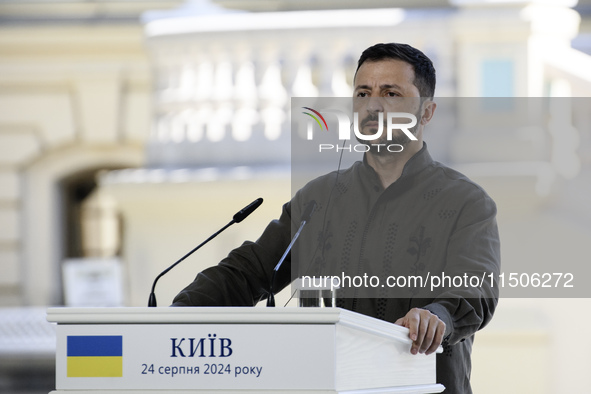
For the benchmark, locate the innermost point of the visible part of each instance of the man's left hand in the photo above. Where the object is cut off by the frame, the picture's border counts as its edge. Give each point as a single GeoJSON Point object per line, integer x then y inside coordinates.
{"type": "Point", "coordinates": [426, 330]}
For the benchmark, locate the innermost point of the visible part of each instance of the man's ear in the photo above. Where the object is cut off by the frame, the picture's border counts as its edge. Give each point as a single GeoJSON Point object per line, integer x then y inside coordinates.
{"type": "Point", "coordinates": [427, 111]}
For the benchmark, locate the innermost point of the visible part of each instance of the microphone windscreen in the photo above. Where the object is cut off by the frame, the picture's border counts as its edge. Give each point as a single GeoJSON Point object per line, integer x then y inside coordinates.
{"type": "Point", "coordinates": [247, 210]}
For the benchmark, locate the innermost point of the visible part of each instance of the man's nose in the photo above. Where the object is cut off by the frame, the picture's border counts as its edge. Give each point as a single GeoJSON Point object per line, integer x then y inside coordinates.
{"type": "Point", "coordinates": [375, 104]}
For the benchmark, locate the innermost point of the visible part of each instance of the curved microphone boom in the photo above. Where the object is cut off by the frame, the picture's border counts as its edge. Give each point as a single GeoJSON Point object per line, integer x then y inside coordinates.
{"type": "Point", "coordinates": [238, 217]}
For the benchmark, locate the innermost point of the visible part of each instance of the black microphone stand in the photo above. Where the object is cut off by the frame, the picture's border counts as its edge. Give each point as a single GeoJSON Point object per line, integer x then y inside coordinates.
{"type": "Point", "coordinates": [238, 217]}
{"type": "Point", "coordinates": [152, 300]}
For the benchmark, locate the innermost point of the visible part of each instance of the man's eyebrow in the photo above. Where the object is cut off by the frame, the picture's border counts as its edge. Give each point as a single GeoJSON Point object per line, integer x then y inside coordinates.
{"type": "Point", "coordinates": [388, 86]}
{"type": "Point", "coordinates": [362, 87]}
{"type": "Point", "coordinates": [382, 87]}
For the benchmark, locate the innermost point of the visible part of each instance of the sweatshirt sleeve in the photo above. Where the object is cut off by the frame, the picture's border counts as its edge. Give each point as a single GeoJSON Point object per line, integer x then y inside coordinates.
{"type": "Point", "coordinates": [243, 278]}
{"type": "Point", "coordinates": [473, 250]}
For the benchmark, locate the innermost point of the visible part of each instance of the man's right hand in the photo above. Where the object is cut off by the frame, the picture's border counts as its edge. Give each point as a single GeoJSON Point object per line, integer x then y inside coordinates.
{"type": "Point", "coordinates": [426, 330]}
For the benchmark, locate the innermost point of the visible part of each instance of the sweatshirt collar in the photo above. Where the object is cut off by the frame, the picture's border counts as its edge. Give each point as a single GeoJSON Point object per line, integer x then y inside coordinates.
{"type": "Point", "coordinates": [413, 166]}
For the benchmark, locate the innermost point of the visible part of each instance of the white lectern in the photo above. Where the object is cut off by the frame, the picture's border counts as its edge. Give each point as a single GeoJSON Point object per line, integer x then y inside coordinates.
{"type": "Point", "coordinates": [234, 350]}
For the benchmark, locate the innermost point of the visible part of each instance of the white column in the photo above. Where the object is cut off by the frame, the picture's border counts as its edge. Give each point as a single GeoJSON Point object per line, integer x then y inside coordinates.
{"type": "Point", "coordinates": [272, 94]}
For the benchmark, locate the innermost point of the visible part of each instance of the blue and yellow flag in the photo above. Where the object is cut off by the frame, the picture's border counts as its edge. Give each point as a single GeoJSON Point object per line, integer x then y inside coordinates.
{"type": "Point", "coordinates": [95, 356]}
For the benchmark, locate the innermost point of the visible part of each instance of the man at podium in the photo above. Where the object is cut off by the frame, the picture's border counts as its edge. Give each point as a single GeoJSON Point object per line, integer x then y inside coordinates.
{"type": "Point", "coordinates": [404, 235]}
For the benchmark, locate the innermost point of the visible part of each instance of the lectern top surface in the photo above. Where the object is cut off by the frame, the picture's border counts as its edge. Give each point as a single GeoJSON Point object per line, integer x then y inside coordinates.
{"type": "Point", "coordinates": [195, 315]}
{"type": "Point", "coordinates": [226, 315]}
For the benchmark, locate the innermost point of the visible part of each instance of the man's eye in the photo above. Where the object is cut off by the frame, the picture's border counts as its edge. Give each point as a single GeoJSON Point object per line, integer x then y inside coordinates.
{"type": "Point", "coordinates": [392, 94]}
{"type": "Point", "coordinates": [361, 94]}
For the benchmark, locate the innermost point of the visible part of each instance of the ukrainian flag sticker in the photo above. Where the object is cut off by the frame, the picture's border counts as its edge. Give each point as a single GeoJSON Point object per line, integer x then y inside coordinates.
{"type": "Point", "coordinates": [95, 356]}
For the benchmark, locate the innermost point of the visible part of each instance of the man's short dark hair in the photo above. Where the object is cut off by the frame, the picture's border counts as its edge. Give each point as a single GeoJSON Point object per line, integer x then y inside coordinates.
{"type": "Point", "coordinates": [421, 64]}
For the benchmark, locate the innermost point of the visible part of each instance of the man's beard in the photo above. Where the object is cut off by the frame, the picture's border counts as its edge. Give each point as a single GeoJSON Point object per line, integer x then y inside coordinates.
{"type": "Point", "coordinates": [398, 137]}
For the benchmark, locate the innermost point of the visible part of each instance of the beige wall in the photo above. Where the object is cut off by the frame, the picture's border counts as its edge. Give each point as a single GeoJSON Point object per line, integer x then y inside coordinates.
{"type": "Point", "coordinates": [71, 98]}
{"type": "Point", "coordinates": [164, 221]}
{"type": "Point", "coordinates": [76, 97]}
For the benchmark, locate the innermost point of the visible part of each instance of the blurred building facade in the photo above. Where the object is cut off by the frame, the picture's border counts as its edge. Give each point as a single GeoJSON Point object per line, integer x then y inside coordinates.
{"type": "Point", "coordinates": [134, 129]}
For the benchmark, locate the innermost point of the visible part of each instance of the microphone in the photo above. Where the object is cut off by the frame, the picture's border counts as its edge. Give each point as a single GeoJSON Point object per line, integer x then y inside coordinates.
{"type": "Point", "coordinates": [238, 217]}
{"type": "Point", "coordinates": [305, 219]}
{"type": "Point", "coordinates": [247, 210]}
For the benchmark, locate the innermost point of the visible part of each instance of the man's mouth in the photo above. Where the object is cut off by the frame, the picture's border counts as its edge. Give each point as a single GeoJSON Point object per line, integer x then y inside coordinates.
{"type": "Point", "coordinates": [370, 122]}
